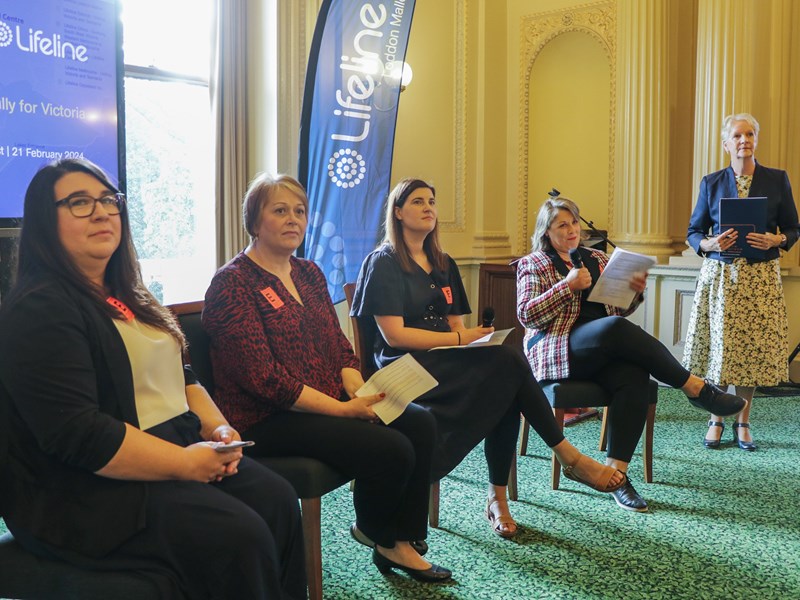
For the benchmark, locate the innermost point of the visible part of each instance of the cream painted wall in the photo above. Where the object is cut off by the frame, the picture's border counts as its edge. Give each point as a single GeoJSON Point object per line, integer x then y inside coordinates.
{"type": "Point", "coordinates": [569, 135]}
{"type": "Point", "coordinates": [425, 134]}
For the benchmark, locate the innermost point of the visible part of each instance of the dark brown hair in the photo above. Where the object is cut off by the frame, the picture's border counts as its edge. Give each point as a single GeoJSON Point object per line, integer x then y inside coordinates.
{"type": "Point", "coordinates": [42, 253]}
{"type": "Point", "coordinates": [393, 228]}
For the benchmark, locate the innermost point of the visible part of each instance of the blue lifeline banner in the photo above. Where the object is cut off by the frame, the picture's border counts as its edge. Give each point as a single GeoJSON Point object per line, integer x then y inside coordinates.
{"type": "Point", "coordinates": [347, 130]}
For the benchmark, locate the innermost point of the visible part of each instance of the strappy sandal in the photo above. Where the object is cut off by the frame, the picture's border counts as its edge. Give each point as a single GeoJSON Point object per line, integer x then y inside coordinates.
{"type": "Point", "coordinates": [497, 522]}
{"type": "Point", "coordinates": [599, 483]}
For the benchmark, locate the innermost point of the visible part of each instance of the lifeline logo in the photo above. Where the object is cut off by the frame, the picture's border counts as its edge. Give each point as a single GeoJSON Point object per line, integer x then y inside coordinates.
{"type": "Point", "coordinates": [37, 43]}
{"type": "Point", "coordinates": [346, 168]}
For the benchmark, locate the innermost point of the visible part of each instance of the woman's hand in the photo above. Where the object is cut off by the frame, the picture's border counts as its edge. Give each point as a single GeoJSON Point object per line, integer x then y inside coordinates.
{"type": "Point", "coordinates": [764, 241]}
{"type": "Point", "coordinates": [360, 407]}
{"type": "Point", "coordinates": [579, 279]}
{"type": "Point", "coordinates": [352, 381]}
{"type": "Point", "coordinates": [720, 243]}
{"type": "Point", "coordinates": [204, 464]}
{"type": "Point", "coordinates": [473, 333]}
{"type": "Point", "coordinates": [638, 282]}
{"type": "Point", "coordinates": [227, 434]}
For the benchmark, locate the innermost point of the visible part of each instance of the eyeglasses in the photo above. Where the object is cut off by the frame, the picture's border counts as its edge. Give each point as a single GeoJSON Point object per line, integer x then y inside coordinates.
{"type": "Point", "coordinates": [83, 205]}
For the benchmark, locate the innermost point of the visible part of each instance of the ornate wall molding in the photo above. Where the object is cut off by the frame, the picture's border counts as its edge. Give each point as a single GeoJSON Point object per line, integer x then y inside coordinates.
{"type": "Point", "coordinates": [458, 221]}
{"type": "Point", "coordinates": [599, 20]}
{"type": "Point", "coordinates": [488, 240]}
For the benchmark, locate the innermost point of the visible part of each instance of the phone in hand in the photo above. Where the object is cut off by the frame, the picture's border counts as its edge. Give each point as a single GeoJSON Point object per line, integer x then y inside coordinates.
{"type": "Point", "coordinates": [232, 445]}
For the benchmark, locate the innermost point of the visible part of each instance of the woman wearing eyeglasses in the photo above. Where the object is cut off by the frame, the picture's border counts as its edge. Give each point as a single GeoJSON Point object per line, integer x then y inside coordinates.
{"type": "Point", "coordinates": [113, 458]}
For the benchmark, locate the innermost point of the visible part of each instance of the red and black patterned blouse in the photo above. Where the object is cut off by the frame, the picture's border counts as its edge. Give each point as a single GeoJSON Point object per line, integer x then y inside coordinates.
{"type": "Point", "coordinates": [265, 346]}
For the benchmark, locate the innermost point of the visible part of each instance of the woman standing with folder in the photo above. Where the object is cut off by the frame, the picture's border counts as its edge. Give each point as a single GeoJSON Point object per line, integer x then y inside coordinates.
{"type": "Point", "coordinates": [738, 329]}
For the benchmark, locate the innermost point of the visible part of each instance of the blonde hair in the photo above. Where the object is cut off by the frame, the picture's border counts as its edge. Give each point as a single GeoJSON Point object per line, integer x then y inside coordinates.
{"type": "Point", "coordinates": [261, 191]}
{"type": "Point", "coordinates": [547, 214]}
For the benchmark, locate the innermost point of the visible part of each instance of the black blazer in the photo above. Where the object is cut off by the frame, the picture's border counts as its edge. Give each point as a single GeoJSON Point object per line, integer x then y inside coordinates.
{"type": "Point", "coordinates": [772, 183]}
{"type": "Point", "coordinates": [67, 389]}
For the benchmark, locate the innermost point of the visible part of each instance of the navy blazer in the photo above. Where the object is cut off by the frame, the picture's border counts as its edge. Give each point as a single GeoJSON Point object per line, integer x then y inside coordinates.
{"type": "Point", "coordinates": [770, 183]}
{"type": "Point", "coordinates": [67, 390]}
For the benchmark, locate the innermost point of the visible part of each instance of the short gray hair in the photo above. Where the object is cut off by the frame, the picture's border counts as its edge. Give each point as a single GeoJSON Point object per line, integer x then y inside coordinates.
{"type": "Point", "coordinates": [547, 214]}
{"type": "Point", "coordinates": [727, 124]}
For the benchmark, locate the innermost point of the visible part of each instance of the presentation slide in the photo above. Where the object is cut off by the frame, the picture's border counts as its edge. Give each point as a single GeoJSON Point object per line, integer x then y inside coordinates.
{"type": "Point", "coordinates": [58, 89]}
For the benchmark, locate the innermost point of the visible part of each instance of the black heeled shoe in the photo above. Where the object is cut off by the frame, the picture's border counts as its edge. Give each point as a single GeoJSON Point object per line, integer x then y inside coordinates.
{"type": "Point", "coordinates": [432, 574]}
{"type": "Point", "coordinates": [421, 546]}
{"type": "Point", "coordinates": [714, 443]}
{"type": "Point", "coordinates": [748, 446]}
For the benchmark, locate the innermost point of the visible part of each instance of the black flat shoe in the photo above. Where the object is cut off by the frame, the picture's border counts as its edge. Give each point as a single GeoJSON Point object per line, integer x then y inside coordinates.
{"type": "Point", "coordinates": [628, 498]}
{"type": "Point", "coordinates": [748, 446]}
{"type": "Point", "coordinates": [714, 443]}
{"type": "Point", "coordinates": [433, 574]}
{"type": "Point", "coordinates": [421, 546]}
{"type": "Point", "coordinates": [714, 400]}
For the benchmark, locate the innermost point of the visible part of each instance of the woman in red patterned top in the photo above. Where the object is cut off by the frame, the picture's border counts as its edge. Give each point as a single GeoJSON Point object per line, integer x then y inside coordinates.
{"type": "Point", "coordinates": [286, 376]}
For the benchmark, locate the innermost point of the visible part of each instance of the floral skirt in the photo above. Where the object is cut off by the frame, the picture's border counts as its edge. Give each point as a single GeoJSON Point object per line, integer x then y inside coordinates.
{"type": "Point", "coordinates": [738, 330]}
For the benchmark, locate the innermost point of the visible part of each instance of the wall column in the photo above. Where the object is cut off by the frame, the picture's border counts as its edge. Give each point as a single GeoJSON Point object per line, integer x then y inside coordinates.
{"type": "Point", "coordinates": [643, 128]}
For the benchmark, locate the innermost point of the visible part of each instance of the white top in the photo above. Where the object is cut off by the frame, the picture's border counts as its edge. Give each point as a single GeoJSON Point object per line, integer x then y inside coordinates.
{"type": "Point", "coordinates": [157, 369]}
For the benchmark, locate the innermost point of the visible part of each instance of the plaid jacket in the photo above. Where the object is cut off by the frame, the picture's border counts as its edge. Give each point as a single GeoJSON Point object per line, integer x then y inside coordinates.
{"type": "Point", "coordinates": [548, 310]}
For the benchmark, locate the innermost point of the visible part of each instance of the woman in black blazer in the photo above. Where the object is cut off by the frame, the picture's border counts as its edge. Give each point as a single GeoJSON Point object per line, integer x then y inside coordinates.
{"type": "Point", "coordinates": [114, 457]}
{"type": "Point", "coordinates": [738, 330]}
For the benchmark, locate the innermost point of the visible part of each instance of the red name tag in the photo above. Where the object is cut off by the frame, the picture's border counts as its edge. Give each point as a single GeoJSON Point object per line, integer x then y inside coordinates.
{"type": "Point", "coordinates": [126, 312]}
{"type": "Point", "coordinates": [448, 294]}
{"type": "Point", "coordinates": [272, 297]}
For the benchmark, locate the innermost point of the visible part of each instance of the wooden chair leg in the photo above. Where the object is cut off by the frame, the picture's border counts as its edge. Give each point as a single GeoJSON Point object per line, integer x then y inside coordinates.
{"type": "Point", "coordinates": [523, 439]}
{"type": "Point", "coordinates": [558, 413]}
{"type": "Point", "coordinates": [512, 480]}
{"type": "Point", "coordinates": [647, 451]}
{"type": "Point", "coordinates": [604, 429]}
{"type": "Point", "coordinates": [312, 538]}
{"type": "Point", "coordinates": [433, 505]}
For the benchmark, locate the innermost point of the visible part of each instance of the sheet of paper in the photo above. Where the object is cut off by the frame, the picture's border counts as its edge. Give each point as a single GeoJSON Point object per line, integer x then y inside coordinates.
{"type": "Point", "coordinates": [403, 381]}
{"type": "Point", "coordinates": [495, 338]}
{"type": "Point", "coordinates": [614, 285]}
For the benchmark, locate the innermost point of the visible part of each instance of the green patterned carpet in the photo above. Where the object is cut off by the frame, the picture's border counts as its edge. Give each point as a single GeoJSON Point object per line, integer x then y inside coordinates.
{"type": "Point", "coordinates": [723, 523]}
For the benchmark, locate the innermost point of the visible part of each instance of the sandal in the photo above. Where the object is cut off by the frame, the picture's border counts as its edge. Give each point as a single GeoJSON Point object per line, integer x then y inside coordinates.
{"type": "Point", "coordinates": [497, 522]}
{"type": "Point", "coordinates": [601, 482]}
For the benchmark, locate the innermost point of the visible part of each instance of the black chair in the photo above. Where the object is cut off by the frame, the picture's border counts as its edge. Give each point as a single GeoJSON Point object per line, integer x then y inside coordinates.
{"type": "Point", "coordinates": [310, 478]}
{"type": "Point", "coordinates": [24, 575]}
{"type": "Point", "coordinates": [566, 394]}
{"type": "Point", "coordinates": [363, 342]}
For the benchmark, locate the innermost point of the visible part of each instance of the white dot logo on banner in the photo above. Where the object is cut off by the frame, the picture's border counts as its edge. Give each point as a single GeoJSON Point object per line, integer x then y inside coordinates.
{"type": "Point", "coordinates": [346, 168]}
{"type": "Point", "coordinates": [6, 37]}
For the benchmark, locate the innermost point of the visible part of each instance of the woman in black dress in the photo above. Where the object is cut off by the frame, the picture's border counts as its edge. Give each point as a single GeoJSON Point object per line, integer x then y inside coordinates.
{"type": "Point", "coordinates": [412, 291]}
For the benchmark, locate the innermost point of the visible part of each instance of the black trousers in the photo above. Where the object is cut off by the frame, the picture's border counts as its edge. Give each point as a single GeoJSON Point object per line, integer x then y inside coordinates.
{"type": "Point", "coordinates": [390, 464]}
{"type": "Point", "coordinates": [620, 357]}
{"type": "Point", "coordinates": [238, 538]}
{"type": "Point", "coordinates": [480, 395]}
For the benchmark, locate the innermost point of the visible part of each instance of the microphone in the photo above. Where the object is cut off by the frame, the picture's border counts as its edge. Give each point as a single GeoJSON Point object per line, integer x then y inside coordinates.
{"type": "Point", "coordinates": [487, 318]}
{"type": "Point", "coordinates": [575, 258]}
